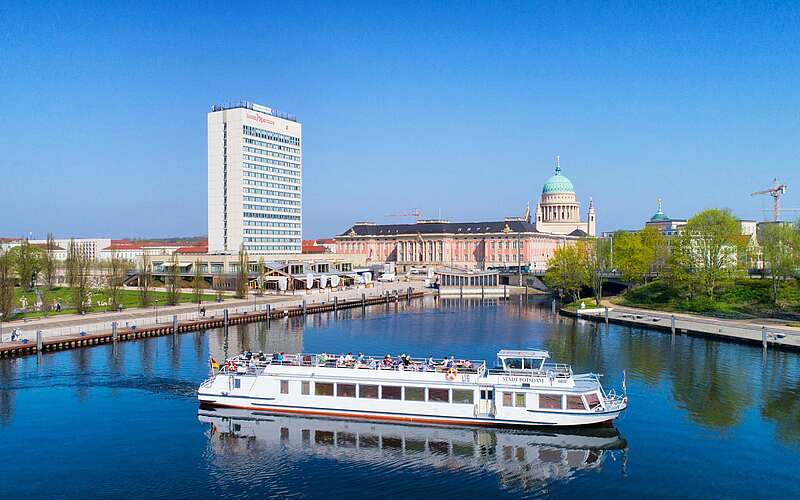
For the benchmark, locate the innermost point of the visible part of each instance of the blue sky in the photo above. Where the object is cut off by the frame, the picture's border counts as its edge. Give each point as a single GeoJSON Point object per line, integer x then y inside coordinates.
{"type": "Point", "coordinates": [456, 107]}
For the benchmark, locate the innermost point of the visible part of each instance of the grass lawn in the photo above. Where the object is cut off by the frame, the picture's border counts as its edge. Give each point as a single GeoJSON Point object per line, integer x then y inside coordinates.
{"type": "Point", "coordinates": [741, 298]}
{"type": "Point", "coordinates": [128, 297]}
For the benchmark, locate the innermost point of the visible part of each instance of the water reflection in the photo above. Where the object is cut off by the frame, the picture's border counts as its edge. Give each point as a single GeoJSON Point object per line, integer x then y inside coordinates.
{"type": "Point", "coordinates": [519, 459]}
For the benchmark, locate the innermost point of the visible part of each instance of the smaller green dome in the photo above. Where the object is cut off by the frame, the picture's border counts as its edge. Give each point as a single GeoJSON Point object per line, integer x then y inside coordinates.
{"type": "Point", "coordinates": [659, 216]}
{"type": "Point", "coordinates": [558, 183]}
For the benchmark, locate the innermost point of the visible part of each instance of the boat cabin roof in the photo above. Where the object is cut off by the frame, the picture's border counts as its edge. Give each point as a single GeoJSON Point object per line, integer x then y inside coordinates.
{"type": "Point", "coordinates": [510, 353]}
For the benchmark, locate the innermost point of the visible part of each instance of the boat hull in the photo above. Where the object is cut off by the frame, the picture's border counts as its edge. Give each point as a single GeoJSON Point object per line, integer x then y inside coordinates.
{"type": "Point", "coordinates": [536, 418]}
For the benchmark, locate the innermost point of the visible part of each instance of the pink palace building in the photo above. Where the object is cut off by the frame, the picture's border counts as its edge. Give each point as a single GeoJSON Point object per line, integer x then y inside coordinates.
{"type": "Point", "coordinates": [515, 241]}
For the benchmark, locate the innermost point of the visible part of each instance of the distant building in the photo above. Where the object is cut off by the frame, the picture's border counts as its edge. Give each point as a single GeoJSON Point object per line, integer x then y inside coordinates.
{"type": "Point", "coordinates": [513, 242]}
{"type": "Point", "coordinates": [558, 210]}
{"type": "Point", "coordinates": [254, 180]}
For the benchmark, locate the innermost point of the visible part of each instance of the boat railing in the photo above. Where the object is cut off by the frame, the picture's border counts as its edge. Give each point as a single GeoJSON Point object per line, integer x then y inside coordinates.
{"type": "Point", "coordinates": [255, 364]}
{"type": "Point", "coordinates": [556, 370]}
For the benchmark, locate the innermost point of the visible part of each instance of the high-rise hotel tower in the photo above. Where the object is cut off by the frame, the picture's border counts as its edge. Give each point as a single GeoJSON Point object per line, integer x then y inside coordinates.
{"type": "Point", "coordinates": [255, 181]}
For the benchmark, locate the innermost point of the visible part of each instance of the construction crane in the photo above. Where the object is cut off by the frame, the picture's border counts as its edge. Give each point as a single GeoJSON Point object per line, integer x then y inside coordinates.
{"type": "Point", "coordinates": [776, 191]}
{"type": "Point", "coordinates": [414, 212]}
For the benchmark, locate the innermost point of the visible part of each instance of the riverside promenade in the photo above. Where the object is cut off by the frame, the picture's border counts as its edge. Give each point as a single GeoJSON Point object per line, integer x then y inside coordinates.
{"type": "Point", "coordinates": [73, 324]}
{"type": "Point", "coordinates": [764, 332]}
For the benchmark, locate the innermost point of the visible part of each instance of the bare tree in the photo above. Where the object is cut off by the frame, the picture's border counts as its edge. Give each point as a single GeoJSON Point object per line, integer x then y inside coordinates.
{"type": "Point", "coordinates": [198, 283]}
{"type": "Point", "coordinates": [261, 270]}
{"type": "Point", "coordinates": [242, 273]}
{"type": "Point", "coordinates": [115, 270]}
{"type": "Point", "coordinates": [218, 284]}
{"type": "Point", "coordinates": [6, 286]}
{"type": "Point", "coordinates": [48, 272]}
{"type": "Point", "coordinates": [78, 269]}
{"type": "Point", "coordinates": [173, 281]}
{"type": "Point", "coordinates": [145, 281]}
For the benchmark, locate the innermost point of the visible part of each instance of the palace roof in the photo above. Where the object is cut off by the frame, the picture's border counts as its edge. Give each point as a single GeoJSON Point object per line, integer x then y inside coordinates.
{"type": "Point", "coordinates": [459, 228]}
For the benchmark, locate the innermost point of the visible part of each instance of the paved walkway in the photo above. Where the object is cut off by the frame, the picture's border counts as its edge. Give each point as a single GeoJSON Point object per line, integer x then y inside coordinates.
{"type": "Point", "coordinates": [71, 324]}
{"type": "Point", "coordinates": [734, 329]}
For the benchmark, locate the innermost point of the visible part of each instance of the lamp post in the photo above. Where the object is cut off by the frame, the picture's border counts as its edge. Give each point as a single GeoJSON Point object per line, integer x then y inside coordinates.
{"type": "Point", "coordinates": [156, 308]}
{"type": "Point", "coordinates": [1, 327]}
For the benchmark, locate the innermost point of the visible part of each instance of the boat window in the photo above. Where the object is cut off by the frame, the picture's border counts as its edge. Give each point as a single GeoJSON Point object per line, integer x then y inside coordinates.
{"type": "Point", "coordinates": [487, 394]}
{"type": "Point", "coordinates": [507, 399]}
{"type": "Point", "coordinates": [346, 390]}
{"type": "Point", "coordinates": [390, 392]}
{"type": "Point", "coordinates": [237, 383]}
{"type": "Point", "coordinates": [575, 403]}
{"type": "Point", "coordinates": [533, 363]}
{"type": "Point", "coordinates": [551, 401]}
{"type": "Point", "coordinates": [368, 391]}
{"type": "Point", "coordinates": [323, 437]}
{"type": "Point", "coordinates": [304, 388]}
{"type": "Point", "coordinates": [464, 396]}
{"type": "Point", "coordinates": [592, 400]}
{"type": "Point", "coordinates": [323, 389]}
{"type": "Point", "coordinates": [514, 363]}
{"type": "Point", "coordinates": [346, 439]}
{"type": "Point", "coordinates": [519, 399]}
{"type": "Point", "coordinates": [438, 395]}
{"type": "Point", "coordinates": [284, 387]}
{"type": "Point", "coordinates": [415, 393]}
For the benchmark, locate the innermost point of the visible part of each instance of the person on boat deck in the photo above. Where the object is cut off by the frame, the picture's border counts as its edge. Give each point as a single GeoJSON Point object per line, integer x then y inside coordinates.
{"type": "Point", "coordinates": [373, 365]}
{"type": "Point", "coordinates": [431, 362]}
{"type": "Point", "coordinates": [348, 359]}
{"type": "Point", "coordinates": [387, 361]}
{"type": "Point", "coordinates": [466, 363]}
{"type": "Point", "coordinates": [323, 358]}
{"type": "Point", "coordinates": [279, 359]}
{"type": "Point", "coordinates": [406, 361]}
{"type": "Point", "coordinates": [360, 358]}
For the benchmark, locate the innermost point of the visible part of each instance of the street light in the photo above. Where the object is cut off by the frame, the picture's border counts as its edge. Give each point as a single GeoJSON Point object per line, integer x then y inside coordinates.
{"type": "Point", "coordinates": [1, 327]}
{"type": "Point", "coordinates": [156, 307]}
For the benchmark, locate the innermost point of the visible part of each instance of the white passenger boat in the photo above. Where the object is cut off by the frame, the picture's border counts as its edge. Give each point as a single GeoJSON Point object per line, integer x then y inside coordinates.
{"type": "Point", "coordinates": [523, 390]}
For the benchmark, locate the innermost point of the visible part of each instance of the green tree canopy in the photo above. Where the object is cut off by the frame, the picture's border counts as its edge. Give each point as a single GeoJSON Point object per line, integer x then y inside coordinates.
{"type": "Point", "coordinates": [711, 246]}
{"type": "Point", "coordinates": [567, 270]}
{"type": "Point", "coordinates": [780, 247]}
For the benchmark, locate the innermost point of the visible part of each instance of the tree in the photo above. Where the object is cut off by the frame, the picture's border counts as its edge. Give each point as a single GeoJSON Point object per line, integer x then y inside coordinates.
{"type": "Point", "coordinates": [597, 262]}
{"type": "Point", "coordinates": [634, 255]}
{"type": "Point", "coordinates": [242, 273]}
{"type": "Point", "coordinates": [173, 281]}
{"type": "Point", "coordinates": [7, 295]}
{"type": "Point", "coordinates": [145, 281]}
{"type": "Point", "coordinates": [567, 270]}
{"type": "Point", "coordinates": [780, 246]}
{"type": "Point", "coordinates": [48, 271]}
{"type": "Point", "coordinates": [198, 283]}
{"type": "Point", "coordinates": [27, 263]}
{"type": "Point", "coordinates": [78, 267]}
{"type": "Point", "coordinates": [713, 245]}
{"type": "Point", "coordinates": [262, 267]}
{"type": "Point", "coordinates": [115, 270]}
{"type": "Point", "coordinates": [218, 284]}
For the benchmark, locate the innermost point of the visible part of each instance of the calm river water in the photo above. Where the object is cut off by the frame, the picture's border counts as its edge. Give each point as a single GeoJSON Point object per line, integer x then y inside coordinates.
{"type": "Point", "coordinates": [706, 419]}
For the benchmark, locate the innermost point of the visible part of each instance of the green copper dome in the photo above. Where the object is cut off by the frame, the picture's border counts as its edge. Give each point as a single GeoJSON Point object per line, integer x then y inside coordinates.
{"type": "Point", "coordinates": [558, 183]}
{"type": "Point", "coordinates": [659, 216]}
